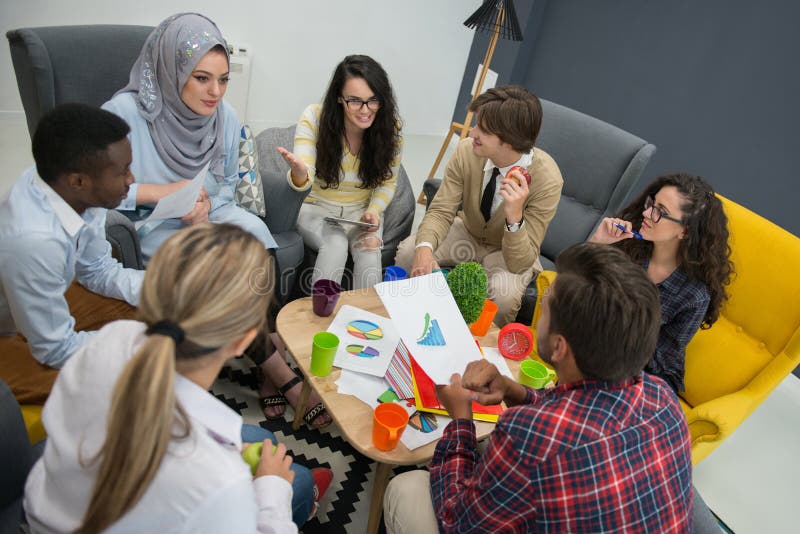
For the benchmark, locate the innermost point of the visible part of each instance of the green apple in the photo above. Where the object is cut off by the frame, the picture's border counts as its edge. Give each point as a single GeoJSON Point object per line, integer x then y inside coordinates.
{"type": "Point", "coordinates": [252, 455]}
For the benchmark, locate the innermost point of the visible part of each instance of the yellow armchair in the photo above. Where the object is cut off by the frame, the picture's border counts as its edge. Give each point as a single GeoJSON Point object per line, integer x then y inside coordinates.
{"type": "Point", "coordinates": [755, 343]}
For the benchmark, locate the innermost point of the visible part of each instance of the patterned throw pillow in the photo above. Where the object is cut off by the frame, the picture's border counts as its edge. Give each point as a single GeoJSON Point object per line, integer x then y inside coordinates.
{"type": "Point", "coordinates": [249, 191]}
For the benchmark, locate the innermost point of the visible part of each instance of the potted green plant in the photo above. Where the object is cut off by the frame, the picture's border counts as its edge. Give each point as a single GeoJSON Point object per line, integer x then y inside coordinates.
{"type": "Point", "coordinates": [468, 284]}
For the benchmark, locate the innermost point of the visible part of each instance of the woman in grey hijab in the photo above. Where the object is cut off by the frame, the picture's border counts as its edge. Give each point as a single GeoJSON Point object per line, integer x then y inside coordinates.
{"type": "Point", "coordinates": [179, 123]}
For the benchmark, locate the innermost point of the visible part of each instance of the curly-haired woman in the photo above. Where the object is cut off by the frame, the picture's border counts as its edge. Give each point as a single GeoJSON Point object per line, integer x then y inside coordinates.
{"type": "Point", "coordinates": [682, 242]}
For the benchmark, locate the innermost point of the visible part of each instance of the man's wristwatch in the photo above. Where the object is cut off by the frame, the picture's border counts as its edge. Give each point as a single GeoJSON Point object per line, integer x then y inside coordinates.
{"type": "Point", "coordinates": [514, 227]}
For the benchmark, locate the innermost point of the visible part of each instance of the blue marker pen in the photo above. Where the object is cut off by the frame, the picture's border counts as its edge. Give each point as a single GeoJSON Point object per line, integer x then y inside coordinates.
{"type": "Point", "coordinates": [635, 234]}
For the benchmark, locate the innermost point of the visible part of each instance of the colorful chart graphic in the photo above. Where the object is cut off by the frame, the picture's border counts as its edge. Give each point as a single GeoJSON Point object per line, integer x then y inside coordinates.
{"type": "Point", "coordinates": [424, 422]}
{"type": "Point", "coordinates": [364, 329]}
{"type": "Point", "coordinates": [431, 333]}
{"type": "Point", "coordinates": [361, 351]}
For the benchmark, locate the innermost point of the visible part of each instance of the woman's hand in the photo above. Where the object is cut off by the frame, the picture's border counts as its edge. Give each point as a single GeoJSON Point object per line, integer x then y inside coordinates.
{"type": "Point", "coordinates": [276, 463]}
{"type": "Point", "coordinates": [298, 168]}
{"type": "Point", "coordinates": [371, 219]}
{"type": "Point", "coordinates": [199, 213]}
{"type": "Point", "coordinates": [608, 232]}
{"type": "Point", "coordinates": [368, 240]}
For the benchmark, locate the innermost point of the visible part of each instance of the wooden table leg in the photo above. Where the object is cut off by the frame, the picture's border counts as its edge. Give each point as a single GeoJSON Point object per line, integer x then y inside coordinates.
{"type": "Point", "coordinates": [301, 405]}
{"type": "Point", "coordinates": [382, 472]}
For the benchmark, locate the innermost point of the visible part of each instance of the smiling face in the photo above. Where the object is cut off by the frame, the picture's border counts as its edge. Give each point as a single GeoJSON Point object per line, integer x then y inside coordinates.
{"type": "Point", "coordinates": [489, 145]}
{"type": "Point", "coordinates": [670, 201]}
{"type": "Point", "coordinates": [362, 118]}
{"type": "Point", "coordinates": [484, 144]}
{"type": "Point", "coordinates": [110, 183]}
{"type": "Point", "coordinates": [207, 83]}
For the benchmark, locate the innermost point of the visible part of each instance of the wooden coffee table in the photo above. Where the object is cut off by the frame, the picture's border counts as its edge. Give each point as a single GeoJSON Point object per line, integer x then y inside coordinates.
{"type": "Point", "coordinates": [296, 325]}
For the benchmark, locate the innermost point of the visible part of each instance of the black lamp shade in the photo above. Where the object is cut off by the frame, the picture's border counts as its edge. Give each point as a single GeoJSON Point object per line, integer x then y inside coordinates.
{"type": "Point", "coordinates": [485, 18]}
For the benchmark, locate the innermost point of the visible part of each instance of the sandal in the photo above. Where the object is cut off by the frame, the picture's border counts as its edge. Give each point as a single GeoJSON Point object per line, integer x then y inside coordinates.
{"type": "Point", "coordinates": [273, 400]}
{"type": "Point", "coordinates": [313, 413]}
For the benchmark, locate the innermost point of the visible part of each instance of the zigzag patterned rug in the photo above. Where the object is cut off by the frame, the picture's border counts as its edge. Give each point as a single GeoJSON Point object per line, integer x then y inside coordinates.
{"type": "Point", "coordinates": [345, 507]}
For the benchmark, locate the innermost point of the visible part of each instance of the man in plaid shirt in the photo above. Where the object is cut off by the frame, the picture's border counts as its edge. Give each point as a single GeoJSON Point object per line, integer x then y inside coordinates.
{"type": "Point", "coordinates": [607, 450]}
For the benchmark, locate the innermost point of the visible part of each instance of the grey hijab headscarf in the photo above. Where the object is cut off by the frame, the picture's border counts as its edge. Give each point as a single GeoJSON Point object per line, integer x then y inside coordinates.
{"type": "Point", "coordinates": [185, 140]}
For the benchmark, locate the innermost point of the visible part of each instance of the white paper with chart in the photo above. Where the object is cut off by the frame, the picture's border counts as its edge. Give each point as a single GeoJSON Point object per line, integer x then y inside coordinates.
{"type": "Point", "coordinates": [366, 341]}
{"type": "Point", "coordinates": [429, 322]}
{"type": "Point", "coordinates": [423, 427]}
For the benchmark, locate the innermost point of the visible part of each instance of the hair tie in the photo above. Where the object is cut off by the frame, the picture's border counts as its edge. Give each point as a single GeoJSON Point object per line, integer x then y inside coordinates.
{"type": "Point", "coordinates": [169, 329]}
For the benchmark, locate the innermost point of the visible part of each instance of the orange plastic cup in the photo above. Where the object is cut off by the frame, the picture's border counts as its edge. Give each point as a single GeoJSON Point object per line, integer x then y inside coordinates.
{"type": "Point", "coordinates": [481, 325]}
{"type": "Point", "coordinates": [388, 422]}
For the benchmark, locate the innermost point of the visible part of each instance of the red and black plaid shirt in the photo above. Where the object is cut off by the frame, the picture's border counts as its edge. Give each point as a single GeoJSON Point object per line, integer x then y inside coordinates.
{"type": "Point", "coordinates": [582, 457]}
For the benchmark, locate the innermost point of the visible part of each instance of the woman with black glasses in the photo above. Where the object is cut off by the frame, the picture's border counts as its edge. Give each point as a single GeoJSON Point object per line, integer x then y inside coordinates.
{"type": "Point", "coordinates": [682, 242]}
{"type": "Point", "coordinates": [347, 150]}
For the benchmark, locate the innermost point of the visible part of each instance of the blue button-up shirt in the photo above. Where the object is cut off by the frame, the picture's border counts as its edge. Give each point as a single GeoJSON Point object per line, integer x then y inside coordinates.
{"type": "Point", "coordinates": [44, 245]}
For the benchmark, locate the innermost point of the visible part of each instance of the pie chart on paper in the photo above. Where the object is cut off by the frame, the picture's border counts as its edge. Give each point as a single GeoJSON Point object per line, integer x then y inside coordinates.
{"type": "Point", "coordinates": [361, 351]}
{"type": "Point", "coordinates": [364, 329]}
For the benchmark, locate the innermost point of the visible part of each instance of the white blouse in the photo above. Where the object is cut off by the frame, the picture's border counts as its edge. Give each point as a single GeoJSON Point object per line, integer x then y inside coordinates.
{"type": "Point", "coordinates": [202, 484]}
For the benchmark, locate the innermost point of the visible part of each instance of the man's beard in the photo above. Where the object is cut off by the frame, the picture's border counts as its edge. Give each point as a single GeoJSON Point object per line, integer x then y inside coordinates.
{"type": "Point", "coordinates": [543, 348]}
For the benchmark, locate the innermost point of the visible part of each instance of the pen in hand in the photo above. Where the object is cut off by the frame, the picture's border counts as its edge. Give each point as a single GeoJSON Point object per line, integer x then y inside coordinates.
{"type": "Point", "coordinates": [635, 234]}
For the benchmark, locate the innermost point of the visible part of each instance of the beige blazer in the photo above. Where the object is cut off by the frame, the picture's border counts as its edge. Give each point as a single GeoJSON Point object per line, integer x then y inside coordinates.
{"type": "Point", "coordinates": [460, 195]}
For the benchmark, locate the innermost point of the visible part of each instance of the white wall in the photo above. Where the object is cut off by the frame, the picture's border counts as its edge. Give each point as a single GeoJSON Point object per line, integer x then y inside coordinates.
{"type": "Point", "coordinates": [422, 44]}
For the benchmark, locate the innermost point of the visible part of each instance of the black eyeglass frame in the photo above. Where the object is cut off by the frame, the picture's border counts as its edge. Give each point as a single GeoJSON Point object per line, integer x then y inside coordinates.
{"type": "Point", "coordinates": [656, 214]}
{"type": "Point", "coordinates": [373, 104]}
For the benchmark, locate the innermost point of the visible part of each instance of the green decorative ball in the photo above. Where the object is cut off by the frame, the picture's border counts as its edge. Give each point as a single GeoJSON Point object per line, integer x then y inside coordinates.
{"type": "Point", "coordinates": [468, 284]}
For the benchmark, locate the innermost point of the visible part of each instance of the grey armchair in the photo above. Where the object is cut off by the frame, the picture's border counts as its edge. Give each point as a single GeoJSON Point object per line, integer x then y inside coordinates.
{"type": "Point", "coordinates": [397, 219]}
{"type": "Point", "coordinates": [600, 164]}
{"type": "Point", "coordinates": [17, 456]}
{"type": "Point", "coordinates": [89, 64]}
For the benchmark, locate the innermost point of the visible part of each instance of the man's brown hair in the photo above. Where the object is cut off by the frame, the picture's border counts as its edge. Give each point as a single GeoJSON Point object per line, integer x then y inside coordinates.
{"type": "Point", "coordinates": [607, 310]}
{"type": "Point", "coordinates": [510, 112]}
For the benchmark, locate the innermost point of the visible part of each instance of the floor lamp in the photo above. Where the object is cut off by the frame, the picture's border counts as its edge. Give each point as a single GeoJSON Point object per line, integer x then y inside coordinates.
{"type": "Point", "coordinates": [499, 18]}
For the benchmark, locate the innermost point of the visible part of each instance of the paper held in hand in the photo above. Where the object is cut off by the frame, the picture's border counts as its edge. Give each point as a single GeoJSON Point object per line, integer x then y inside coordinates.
{"type": "Point", "coordinates": [429, 322]}
{"type": "Point", "coordinates": [177, 204]}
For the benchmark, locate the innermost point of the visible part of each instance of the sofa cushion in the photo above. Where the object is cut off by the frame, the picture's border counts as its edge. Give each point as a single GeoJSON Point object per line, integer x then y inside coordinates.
{"type": "Point", "coordinates": [249, 190]}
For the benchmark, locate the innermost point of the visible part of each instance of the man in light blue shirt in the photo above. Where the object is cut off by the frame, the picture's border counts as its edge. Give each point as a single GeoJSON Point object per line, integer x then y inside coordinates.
{"type": "Point", "coordinates": [52, 231]}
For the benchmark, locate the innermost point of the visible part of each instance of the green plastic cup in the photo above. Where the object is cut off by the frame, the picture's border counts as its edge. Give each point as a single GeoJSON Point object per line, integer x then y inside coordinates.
{"type": "Point", "coordinates": [323, 352]}
{"type": "Point", "coordinates": [534, 374]}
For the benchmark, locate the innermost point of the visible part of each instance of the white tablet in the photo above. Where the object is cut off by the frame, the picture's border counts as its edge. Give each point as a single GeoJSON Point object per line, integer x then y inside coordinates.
{"type": "Point", "coordinates": [339, 220]}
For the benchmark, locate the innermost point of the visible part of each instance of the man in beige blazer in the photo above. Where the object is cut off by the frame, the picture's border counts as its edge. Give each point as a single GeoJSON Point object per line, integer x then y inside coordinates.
{"type": "Point", "coordinates": [486, 212]}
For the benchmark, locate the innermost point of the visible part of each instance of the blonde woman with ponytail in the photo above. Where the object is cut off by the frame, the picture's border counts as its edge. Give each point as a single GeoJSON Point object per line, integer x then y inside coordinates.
{"type": "Point", "coordinates": [136, 443]}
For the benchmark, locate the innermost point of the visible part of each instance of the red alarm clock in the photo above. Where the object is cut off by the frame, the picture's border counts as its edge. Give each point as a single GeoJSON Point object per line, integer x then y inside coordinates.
{"type": "Point", "coordinates": [522, 170]}
{"type": "Point", "coordinates": [515, 341]}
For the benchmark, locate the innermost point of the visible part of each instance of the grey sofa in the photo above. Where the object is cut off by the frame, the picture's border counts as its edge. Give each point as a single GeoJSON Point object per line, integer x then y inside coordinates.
{"type": "Point", "coordinates": [89, 64]}
{"type": "Point", "coordinates": [600, 163]}
{"type": "Point", "coordinates": [398, 217]}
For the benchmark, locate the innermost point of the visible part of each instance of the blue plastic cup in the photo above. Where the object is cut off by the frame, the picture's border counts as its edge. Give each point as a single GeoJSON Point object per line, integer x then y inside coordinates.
{"type": "Point", "coordinates": [394, 272]}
